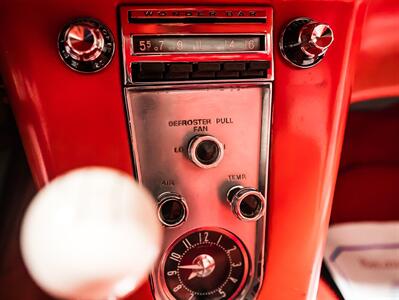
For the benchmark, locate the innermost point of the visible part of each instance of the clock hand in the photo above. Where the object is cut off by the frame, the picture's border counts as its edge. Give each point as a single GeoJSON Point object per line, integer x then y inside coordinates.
{"type": "Point", "coordinates": [193, 275]}
{"type": "Point", "coordinates": [196, 270]}
{"type": "Point", "coordinates": [191, 267]}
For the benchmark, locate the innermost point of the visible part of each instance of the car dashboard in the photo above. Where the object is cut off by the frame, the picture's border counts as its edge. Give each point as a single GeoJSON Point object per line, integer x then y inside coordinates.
{"type": "Point", "coordinates": [231, 114]}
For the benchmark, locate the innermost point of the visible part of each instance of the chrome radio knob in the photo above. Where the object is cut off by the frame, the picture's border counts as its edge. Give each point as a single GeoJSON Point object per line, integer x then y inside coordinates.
{"type": "Point", "coordinates": [84, 42]}
{"type": "Point", "coordinates": [86, 45]}
{"type": "Point", "coordinates": [304, 42]}
{"type": "Point", "coordinates": [315, 38]}
{"type": "Point", "coordinates": [247, 203]}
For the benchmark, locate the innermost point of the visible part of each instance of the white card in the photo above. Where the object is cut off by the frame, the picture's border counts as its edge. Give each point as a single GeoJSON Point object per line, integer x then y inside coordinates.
{"type": "Point", "coordinates": [363, 259]}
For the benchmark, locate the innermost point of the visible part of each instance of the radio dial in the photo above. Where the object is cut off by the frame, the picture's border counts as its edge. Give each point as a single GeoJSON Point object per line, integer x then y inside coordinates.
{"type": "Point", "coordinates": [84, 42]}
{"type": "Point", "coordinates": [304, 42]}
{"type": "Point", "coordinates": [315, 38]}
{"type": "Point", "coordinates": [86, 45]}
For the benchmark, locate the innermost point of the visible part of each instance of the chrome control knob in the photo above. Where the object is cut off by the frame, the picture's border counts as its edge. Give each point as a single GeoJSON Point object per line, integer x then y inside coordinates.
{"type": "Point", "coordinates": [84, 41]}
{"type": "Point", "coordinates": [86, 45]}
{"type": "Point", "coordinates": [304, 42]}
{"type": "Point", "coordinates": [315, 38]}
{"type": "Point", "coordinates": [205, 151]}
{"type": "Point", "coordinates": [247, 203]}
{"type": "Point", "coordinates": [172, 209]}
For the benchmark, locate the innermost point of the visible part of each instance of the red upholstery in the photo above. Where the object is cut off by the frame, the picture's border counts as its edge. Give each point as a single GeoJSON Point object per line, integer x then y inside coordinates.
{"type": "Point", "coordinates": [368, 182]}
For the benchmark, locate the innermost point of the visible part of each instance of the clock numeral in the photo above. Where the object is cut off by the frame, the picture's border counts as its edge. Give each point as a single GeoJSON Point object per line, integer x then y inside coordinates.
{"type": "Point", "coordinates": [219, 239]}
{"type": "Point", "coordinates": [203, 238]}
{"type": "Point", "coordinates": [222, 293]}
{"type": "Point", "coordinates": [233, 280]}
{"type": "Point", "coordinates": [171, 273]}
{"type": "Point", "coordinates": [235, 265]}
{"type": "Point", "coordinates": [177, 288]}
{"type": "Point", "coordinates": [175, 256]}
{"type": "Point", "coordinates": [187, 243]}
{"type": "Point", "coordinates": [191, 297]}
{"type": "Point", "coordinates": [232, 249]}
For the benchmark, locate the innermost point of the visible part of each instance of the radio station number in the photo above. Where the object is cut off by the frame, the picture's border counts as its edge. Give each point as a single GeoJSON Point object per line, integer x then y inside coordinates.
{"type": "Point", "coordinates": [145, 45]}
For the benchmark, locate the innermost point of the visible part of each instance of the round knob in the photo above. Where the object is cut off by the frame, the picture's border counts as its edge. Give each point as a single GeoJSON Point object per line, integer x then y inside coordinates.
{"type": "Point", "coordinates": [304, 42]}
{"type": "Point", "coordinates": [315, 38]}
{"type": "Point", "coordinates": [86, 45]}
{"type": "Point", "coordinates": [92, 233]}
{"type": "Point", "coordinates": [84, 42]}
{"type": "Point", "coordinates": [247, 203]}
{"type": "Point", "coordinates": [172, 209]}
{"type": "Point", "coordinates": [205, 151]}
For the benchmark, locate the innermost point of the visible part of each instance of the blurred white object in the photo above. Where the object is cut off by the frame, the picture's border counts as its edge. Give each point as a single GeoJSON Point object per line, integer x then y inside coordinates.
{"type": "Point", "coordinates": [363, 259]}
{"type": "Point", "coordinates": [92, 233]}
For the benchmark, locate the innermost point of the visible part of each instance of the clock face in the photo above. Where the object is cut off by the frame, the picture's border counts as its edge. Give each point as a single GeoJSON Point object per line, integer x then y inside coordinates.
{"type": "Point", "coordinates": [205, 264]}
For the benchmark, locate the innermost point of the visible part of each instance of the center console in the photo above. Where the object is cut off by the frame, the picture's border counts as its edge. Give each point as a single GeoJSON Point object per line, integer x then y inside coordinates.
{"type": "Point", "coordinates": [198, 90]}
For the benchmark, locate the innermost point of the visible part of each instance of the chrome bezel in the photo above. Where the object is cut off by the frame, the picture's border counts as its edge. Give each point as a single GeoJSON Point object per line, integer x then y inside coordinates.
{"type": "Point", "coordinates": [266, 41]}
{"type": "Point", "coordinates": [170, 196]}
{"type": "Point", "coordinates": [193, 146]}
{"type": "Point", "coordinates": [239, 196]}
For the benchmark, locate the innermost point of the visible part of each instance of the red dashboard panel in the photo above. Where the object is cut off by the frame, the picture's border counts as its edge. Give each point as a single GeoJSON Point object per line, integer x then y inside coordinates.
{"type": "Point", "coordinates": [68, 120]}
{"type": "Point", "coordinates": [377, 73]}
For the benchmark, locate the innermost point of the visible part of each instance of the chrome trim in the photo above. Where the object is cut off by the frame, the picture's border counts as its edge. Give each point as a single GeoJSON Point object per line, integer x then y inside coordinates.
{"type": "Point", "coordinates": [190, 12]}
{"type": "Point", "coordinates": [266, 41]}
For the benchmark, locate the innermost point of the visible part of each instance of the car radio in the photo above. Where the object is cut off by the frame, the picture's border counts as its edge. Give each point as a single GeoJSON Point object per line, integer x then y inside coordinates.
{"type": "Point", "coordinates": [172, 44]}
{"type": "Point", "coordinates": [197, 86]}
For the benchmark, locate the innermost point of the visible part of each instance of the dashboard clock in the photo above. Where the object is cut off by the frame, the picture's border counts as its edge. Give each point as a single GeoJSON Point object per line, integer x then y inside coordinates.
{"type": "Point", "coordinates": [205, 264]}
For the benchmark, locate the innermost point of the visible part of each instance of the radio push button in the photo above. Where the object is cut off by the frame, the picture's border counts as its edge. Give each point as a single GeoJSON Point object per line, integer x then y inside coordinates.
{"type": "Point", "coordinates": [205, 151]}
{"type": "Point", "coordinates": [177, 76]}
{"type": "Point", "coordinates": [180, 68]}
{"type": "Point", "coordinates": [259, 65]}
{"type": "Point", "coordinates": [228, 74]}
{"type": "Point", "coordinates": [253, 74]}
{"type": "Point", "coordinates": [211, 66]}
{"type": "Point", "coordinates": [203, 75]}
{"type": "Point", "coordinates": [247, 203]}
{"type": "Point", "coordinates": [234, 66]}
{"type": "Point", "coordinates": [172, 209]}
{"type": "Point", "coordinates": [152, 67]}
